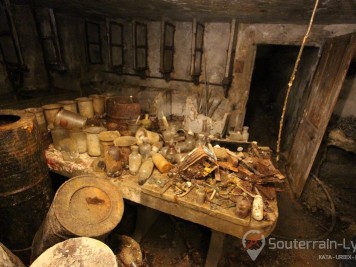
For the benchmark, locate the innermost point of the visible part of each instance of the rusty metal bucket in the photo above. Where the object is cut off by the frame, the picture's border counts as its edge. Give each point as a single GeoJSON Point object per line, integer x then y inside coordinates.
{"type": "Point", "coordinates": [122, 109]}
{"type": "Point", "coordinates": [83, 206]}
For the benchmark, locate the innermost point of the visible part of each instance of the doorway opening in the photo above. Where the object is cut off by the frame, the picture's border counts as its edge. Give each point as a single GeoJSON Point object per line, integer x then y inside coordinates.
{"type": "Point", "coordinates": [273, 67]}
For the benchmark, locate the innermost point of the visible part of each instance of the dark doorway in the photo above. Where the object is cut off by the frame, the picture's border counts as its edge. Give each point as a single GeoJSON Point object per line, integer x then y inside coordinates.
{"type": "Point", "coordinates": [273, 67]}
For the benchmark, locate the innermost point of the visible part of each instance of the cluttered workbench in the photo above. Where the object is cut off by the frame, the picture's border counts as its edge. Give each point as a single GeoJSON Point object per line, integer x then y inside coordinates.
{"type": "Point", "coordinates": [180, 166]}
{"type": "Point", "coordinates": [223, 206]}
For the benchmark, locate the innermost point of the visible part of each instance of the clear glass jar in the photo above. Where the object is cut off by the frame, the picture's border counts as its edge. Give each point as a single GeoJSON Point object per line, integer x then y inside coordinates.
{"type": "Point", "coordinates": [58, 134]}
{"type": "Point", "coordinates": [80, 138]}
{"type": "Point", "coordinates": [135, 160]}
{"type": "Point", "coordinates": [93, 142]}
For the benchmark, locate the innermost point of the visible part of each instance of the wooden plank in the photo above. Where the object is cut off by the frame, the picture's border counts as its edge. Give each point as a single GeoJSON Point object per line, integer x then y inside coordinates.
{"type": "Point", "coordinates": [325, 88]}
{"type": "Point", "coordinates": [215, 249]}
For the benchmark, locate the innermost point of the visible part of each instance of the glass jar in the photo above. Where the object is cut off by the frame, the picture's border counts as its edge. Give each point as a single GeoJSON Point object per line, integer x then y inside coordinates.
{"type": "Point", "coordinates": [85, 105]}
{"type": "Point", "coordinates": [113, 163]}
{"type": "Point", "coordinates": [50, 111]}
{"type": "Point", "coordinates": [40, 118]}
{"type": "Point", "coordinates": [106, 139]}
{"type": "Point", "coordinates": [93, 143]}
{"type": "Point", "coordinates": [58, 134]}
{"type": "Point", "coordinates": [135, 160]}
{"type": "Point", "coordinates": [69, 149]}
{"type": "Point", "coordinates": [98, 104]}
{"type": "Point", "coordinates": [145, 148]}
{"type": "Point", "coordinates": [80, 138]}
{"type": "Point", "coordinates": [69, 105]}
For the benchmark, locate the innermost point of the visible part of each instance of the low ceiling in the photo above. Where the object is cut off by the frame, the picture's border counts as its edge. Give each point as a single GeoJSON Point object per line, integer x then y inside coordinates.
{"type": "Point", "coordinates": [245, 11]}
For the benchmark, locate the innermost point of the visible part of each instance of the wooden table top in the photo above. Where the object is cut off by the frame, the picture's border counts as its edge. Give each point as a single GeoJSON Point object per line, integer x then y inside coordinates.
{"type": "Point", "coordinates": [154, 195]}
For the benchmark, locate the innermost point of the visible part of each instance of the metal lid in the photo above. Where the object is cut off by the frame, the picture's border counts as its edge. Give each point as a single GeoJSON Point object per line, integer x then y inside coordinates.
{"type": "Point", "coordinates": [88, 206]}
{"type": "Point", "coordinates": [81, 251]}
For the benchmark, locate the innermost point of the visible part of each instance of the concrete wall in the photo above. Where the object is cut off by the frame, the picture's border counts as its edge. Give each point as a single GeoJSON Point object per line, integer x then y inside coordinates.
{"type": "Point", "coordinates": [249, 35]}
{"type": "Point", "coordinates": [36, 77]}
{"type": "Point", "coordinates": [5, 85]}
{"type": "Point", "coordinates": [82, 75]}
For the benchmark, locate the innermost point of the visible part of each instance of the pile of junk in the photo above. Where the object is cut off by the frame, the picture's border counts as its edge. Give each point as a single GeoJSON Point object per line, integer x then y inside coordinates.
{"type": "Point", "coordinates": [189, 149]}
{"type": "Point", "coordinates": [107, 138]}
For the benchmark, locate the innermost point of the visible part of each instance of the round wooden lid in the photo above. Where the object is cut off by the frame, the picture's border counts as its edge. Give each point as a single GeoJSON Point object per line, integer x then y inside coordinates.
{"type": "Point", "coordinates": [88, 206]}
{"type": "Point", "coordinates": [81, 251]}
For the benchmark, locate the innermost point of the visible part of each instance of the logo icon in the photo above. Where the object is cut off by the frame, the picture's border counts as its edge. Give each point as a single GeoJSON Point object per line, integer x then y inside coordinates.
{"type": "Point", "coordinates": [253, 242]}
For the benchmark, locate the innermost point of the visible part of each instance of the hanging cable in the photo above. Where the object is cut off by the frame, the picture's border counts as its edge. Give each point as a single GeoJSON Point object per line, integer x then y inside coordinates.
{"type": "Point", "coordinates": [292, 77]}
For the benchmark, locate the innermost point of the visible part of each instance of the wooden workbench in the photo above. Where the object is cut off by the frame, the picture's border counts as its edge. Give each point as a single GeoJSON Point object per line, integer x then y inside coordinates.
{"type": "Point", "coordinates": [220, 220]}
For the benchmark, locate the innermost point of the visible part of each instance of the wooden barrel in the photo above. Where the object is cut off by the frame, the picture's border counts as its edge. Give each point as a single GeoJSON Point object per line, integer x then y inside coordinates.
{"type": "Point", "coordinates": [81, 251]}
{"type": "Point", "coordinates": [83, 206]}
{"type": "Point", "coordinates": [25, 188]}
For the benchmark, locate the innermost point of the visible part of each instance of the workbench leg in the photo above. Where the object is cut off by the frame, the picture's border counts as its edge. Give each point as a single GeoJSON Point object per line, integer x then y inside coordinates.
{"type": "Point", "coordinates": [215, 248]}
{"type": "Point", "coordinates": [145, 219]}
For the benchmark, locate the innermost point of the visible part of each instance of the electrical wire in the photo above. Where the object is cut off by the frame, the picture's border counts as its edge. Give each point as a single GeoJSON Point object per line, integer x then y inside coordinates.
{"type": "Point", "coordinates": [333, 217]}
{"type": "Point", "coordinates": [292, 77]}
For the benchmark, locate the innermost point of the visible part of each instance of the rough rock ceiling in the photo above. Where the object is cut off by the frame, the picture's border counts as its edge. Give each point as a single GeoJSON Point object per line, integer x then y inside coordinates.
{"type": "Point", "coordinates": [245, 11]}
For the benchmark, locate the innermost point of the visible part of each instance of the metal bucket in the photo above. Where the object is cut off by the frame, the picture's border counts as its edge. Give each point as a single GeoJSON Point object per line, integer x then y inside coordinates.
{"type": "Point", "coordinates": [81, 251]}
{"type": "Point", "coordinates": [122, 109]}
{"type": "Point", "coordinates": [83, 206]}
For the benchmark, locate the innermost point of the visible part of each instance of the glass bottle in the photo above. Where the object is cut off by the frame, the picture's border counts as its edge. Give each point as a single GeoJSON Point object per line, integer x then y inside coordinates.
{"type": "Point", "coordinates": [201, 140]}
{"type": "Point", "coordinates": [145, 171]}
{"type": "Point", "coordinates": [190, 141]}
{"type": "Point", "coordinates": [162, 164]}
{"type": "Point", "coordinates": [58, 134]}
{"type": "Point", "coordinates": [146, 122]}
{"type": "Point", "coordinates": [171, 153]}
{"type": "Point", "coordinates": [145, 148]}
{"type": "Point", "coordinates": [113, 162]}
{"type": "Point", "coordinates": [135, 160]}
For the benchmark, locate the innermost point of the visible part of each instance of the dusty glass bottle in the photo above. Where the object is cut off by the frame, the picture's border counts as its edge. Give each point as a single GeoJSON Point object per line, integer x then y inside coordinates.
{"type": "Point", "coordinates": [171, 153]}
{"type": "Point", "coordinates": [146, 122]}
{"type": "Point", "coordinates": [145, 171]}
{"type": "Point", "coordinates": [135, 160]}
{"type": "Point", "coordinates": [201, 140]}
{"type": "Point", "coordinates": [145, 148]}
{"type": "Point", "coordinates": [189, 142]}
